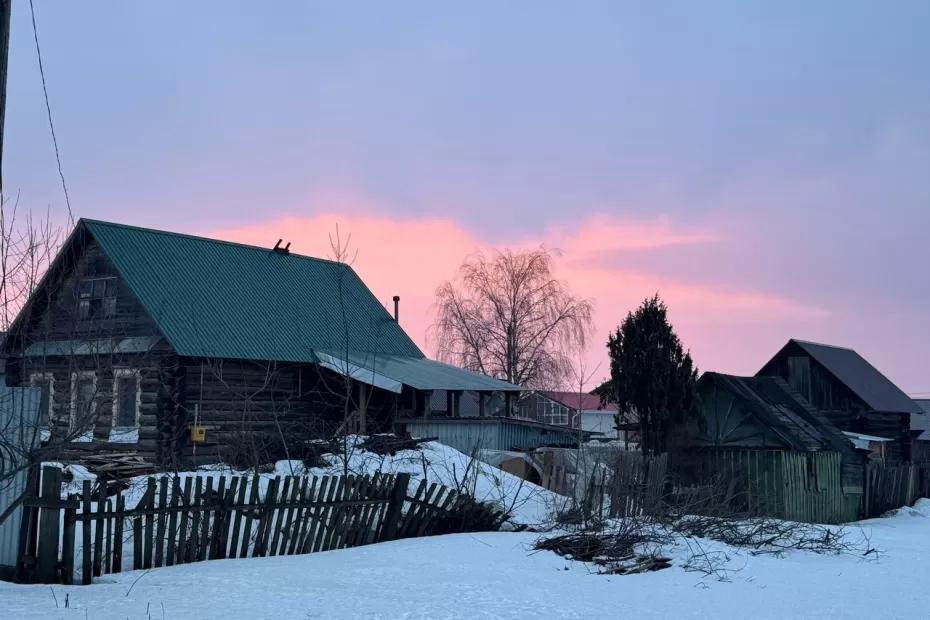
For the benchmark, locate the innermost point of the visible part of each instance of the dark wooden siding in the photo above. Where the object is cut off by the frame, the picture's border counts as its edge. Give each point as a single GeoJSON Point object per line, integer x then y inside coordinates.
{"type": "Point", "coordinates": [847, 411]}
{"type": "Point", "coordinates": [54, 317]}
{"type": "Point", "coordinates": [259, 412]}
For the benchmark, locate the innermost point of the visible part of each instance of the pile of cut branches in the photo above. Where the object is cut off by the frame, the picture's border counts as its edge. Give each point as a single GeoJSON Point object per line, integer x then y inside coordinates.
{"type": "Point", "coordinates": [389, 444]}
{"type": "Point", "coordinates": [616, 552]}
{"type": "Point", "coordinates": [765, 535]}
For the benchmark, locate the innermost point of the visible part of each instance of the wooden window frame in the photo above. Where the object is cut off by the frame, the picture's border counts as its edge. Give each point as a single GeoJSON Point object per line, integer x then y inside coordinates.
{"type": "Point", "coordinates": [50, 377]}
{"type": "Point", "coordinates": [122, 373]}
{"type": "Point", "coordinates": [107, 302]}
{"type": "Point", "coordinates": [76, 377]}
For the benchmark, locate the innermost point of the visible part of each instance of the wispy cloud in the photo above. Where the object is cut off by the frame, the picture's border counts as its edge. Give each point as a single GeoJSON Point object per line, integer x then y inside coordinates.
{"type": "Point", "coordinates": [410, 257]}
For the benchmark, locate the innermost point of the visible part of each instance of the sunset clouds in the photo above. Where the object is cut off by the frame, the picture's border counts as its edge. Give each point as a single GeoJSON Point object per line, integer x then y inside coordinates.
{"type": "Point", "coordinates": [727, 327]}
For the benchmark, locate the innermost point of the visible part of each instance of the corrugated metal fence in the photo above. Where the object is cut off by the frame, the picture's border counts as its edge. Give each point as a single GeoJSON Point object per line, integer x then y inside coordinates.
{"type": "Point", "coordinates": [18, 435]}
{"type": "Point", "coordinates": [470, 434]}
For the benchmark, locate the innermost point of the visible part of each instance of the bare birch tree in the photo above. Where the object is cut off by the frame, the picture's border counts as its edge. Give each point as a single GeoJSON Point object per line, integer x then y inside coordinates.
{"type": "Point", "coordinates": [507, 316]}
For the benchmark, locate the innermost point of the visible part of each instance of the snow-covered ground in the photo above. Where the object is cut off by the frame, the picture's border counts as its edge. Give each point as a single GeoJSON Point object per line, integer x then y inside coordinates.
{"type": "Point", "coordinates": [497, 575]}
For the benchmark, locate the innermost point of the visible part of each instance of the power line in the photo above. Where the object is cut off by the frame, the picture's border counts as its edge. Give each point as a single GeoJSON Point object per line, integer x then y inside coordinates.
{"type": "Point", "coordinates": [48, 109]}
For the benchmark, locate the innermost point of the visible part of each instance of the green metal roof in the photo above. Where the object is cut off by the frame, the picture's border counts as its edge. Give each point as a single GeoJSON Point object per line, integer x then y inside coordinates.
{"type": "Point", "coordinates": [390, 371]}
{"type": "Point", "coordinates": [217, 299]}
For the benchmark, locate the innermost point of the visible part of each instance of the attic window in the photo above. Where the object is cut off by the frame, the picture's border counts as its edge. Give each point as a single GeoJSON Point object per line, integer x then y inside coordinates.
{"type": "Point", "coordinates": [97, 297]}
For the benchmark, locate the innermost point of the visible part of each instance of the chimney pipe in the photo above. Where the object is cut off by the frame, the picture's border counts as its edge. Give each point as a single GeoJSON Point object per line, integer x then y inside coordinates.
{"type": "Point", "coordinates": [396, 307]}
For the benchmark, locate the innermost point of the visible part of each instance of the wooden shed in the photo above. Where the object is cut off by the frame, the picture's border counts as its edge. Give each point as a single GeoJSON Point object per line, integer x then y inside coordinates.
{"type": "Point", "coordinates": [853, 394]}
{"type": "Point", "coordinates": [782, 452]}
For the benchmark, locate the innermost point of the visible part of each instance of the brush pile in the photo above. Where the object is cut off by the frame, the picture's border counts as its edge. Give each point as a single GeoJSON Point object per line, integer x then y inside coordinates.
{"type": "Point", "coordinates": [389, 444]}
{"type": "Point", "coordinates": [618, 552]}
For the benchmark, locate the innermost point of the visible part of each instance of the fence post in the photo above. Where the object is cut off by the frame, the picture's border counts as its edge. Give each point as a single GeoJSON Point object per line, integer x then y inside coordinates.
{"type": "Point", "coordinates": [395, 507]}
{"type": "Point", "coordinates": [67, 546]}
{"type": "Point", "coordinates": [49, 526]}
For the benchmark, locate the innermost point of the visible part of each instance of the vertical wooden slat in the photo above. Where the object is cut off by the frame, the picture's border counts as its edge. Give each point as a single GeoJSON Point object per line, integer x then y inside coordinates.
{"type": "Point", "coordinates": [193, 540]}
{"type": "Point", "coordinates": [279, 517]}
{"type": "Point", "coordinates": [218, 512]}
{"type": "Point", "coordinates": [203, 538]}
{"type": "Point", "coordinates": [229, 497]}
{"type": "Point", "coordinates": [302, 517]}
{"type": "Point", "coordinates": [247, 527]}
{"type": "Point", "coordinates": [317, 514]}
{"type": "Point", "coordinates": [49, 526]}
{"type": "Point", "coordinates": [183, 542]}
{"type": "Point", "coordinates": [137, 559]}
{"type": "Point", "coordinates": [237, 523]}
{"type": "Point", "coordinates": [324, 523]}
{"type": "Point", "coordinates": [149, 524]}
{"type": "Point", "coordinates": [161, 520]}
{"type": "Point", "coordinates": [267, 519]}
{"type": "Point", "coordinates": [394, 508]}
{"type": "Point", "coordinates": [87, 570]}
{"type": "Point", "coordinates": [171, 552]}
{"type": "Point", "coordinates": [67, 546]}
{"type": "Point", "coordinates": [108, 539]}
{"type": "Point", "coordinates": [118, 533]}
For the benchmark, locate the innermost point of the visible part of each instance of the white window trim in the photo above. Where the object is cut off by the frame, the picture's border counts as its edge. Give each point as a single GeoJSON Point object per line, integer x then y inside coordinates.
{"type": "Point", "coordinates": [45, 430]}
{"type": "Point", "coordinates": [125, 434]}
{"type": "Point", "coordinates": [88, 434]}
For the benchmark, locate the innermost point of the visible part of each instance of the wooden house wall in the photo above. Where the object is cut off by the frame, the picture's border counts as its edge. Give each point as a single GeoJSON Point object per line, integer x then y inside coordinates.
{"type": "Point", "coordinates": [55, 318]}
{"type": "Point", "coordinates": [56, 311]}
{"type": "Point", "coordinates": [263, 411]}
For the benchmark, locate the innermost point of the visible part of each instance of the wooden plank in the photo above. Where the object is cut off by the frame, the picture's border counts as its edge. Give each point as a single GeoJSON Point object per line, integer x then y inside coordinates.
{"type": "Point", "coordinates": [137, 562]}
{"type": "Point", "coordinates": [237, 523]}
{"type": "Point", "coordinates": [280, 521]}
{"type": "Point", "coordinates": [161, 522]}
{"type": "Point", "coordinates": [118, 533]}
{"type": "Point", "coordinates": [108, 539]}
{"type": "Point", "coordinates": [296, 517]}
{"type": "Point", "coordinates": [247, 527]}
{"type": "Point", "coordinates": [49, 526]}
{"type": "Point", "coordinates": [87, 570]}
{"type": "Point", "coordinates": [219, 514]}
{"type": "Point", "coordinates": [268, 513]}
{"type": "Point", "coordinates": [149, 524]}
{"type": "Point", "coordinates": [193, 541]}
{"type": "Point", "coordinates": [226, 518]}
{"type": "Point", "coordinates": [185, 520]}
{"type": "Point", "coordinates": [325, 516]}
{"type": "Point", "coordinates": [67, 546]}
{"type": "Point", "coordinates": [175, 495]}
{"type": "Point", "coordinates": [394, 510]}
{"type": "Point", "coordinates": [336, 511]}
{"type": "Point", "coordinates": [311, 517]}
{"type": "Point", "coordinates": [203, 540]}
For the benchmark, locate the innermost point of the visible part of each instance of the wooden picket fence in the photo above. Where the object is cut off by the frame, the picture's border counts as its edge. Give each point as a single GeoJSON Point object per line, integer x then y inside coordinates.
{"type": "Point", "coordinates": [800, 486]}
{"type": "Point", "coordinates": [638, 484]}
{"type": "Point", "coordinates": [891, 486]}
{"type": "Point", "coordinates": [193, 519]}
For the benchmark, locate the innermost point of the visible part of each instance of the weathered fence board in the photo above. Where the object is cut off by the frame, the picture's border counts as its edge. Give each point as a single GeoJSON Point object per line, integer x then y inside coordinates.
{"type": "Point", "coordinates": [176, 523]}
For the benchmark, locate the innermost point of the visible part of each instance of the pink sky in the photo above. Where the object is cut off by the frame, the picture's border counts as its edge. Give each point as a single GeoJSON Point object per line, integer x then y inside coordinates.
{"type": "Point", "coordinates": [727, 328]}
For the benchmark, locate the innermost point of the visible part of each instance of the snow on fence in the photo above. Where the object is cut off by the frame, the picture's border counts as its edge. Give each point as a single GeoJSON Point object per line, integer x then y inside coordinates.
{"type": "Point", "coordinates": [180, 521]}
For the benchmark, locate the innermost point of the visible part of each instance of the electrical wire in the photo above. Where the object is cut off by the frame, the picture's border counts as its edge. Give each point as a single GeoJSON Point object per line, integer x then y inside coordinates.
{"type": "Point", "coordinates": [48, 109]}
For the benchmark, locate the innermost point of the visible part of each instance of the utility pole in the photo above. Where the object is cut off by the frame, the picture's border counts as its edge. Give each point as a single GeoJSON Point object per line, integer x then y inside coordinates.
{"type": "Point", "coordinates": [5, 9]}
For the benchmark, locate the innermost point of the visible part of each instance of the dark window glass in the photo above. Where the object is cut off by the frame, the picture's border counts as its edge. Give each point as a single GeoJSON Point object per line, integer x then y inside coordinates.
{"type": "Point", "coordinates": [45, 400]}
{"type": "Point", "coordinates": [96, 298]}
{"type": "Point", "coordinates": [126, 389]}
{"type": "Point", "coordinates": [85, 406]}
